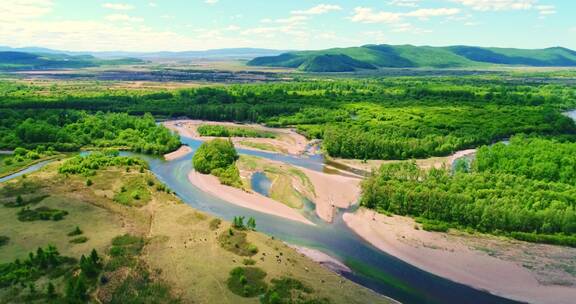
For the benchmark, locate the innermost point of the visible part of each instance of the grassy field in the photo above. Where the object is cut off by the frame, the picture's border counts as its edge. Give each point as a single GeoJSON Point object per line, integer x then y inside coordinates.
{"type": "Point", "coordinates": [180, 256]}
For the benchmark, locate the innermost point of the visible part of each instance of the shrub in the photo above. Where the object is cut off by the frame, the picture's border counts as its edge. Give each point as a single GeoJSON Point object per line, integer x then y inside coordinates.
{"type": "Point", "coordinates": [4, 240]}
{"type": "Point", "coordinates": [75, 232]}
{"type": "Point", "coordinates": [247, 282]}
{"type": "Point", "coordinates": [42, 213]}
{"type": "Point", "coordinates": [215, 154]}
{"type": "Point", "coordinates": [79, 240]}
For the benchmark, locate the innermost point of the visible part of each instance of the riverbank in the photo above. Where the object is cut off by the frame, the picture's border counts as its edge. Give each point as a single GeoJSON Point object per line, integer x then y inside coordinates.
{"type": "Point", "coordinates": [289, 183]}
{"type": "Point", "coordinates": [499, 266]}
{"type": "Point", "coordinates": [425, 163]}
{"type": "Point", "coordinates": [332, 192]}
{"type": "Point", "coordinates": [287, 141]}
{"type": "Point", "coordinates": [181, 152]}
{"type": "Point", "coordinates": [254, 201]}
{"type": "Point", "coordinates": [181, 253]}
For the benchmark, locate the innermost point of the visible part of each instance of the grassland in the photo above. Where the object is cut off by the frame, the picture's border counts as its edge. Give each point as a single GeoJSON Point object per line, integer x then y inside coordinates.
{"type": "Point", "coordinates": [180, 255]}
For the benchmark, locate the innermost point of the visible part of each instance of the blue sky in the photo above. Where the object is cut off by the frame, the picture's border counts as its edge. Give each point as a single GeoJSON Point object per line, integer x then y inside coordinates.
{"type": "Point", "coordinates": [152, 25]}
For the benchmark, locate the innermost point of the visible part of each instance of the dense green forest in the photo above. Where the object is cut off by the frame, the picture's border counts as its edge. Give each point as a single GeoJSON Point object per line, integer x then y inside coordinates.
{"type": "Point", "coordinates": [68, 130]}
{"type": "Point", "coordinates": [509, 190]}
{"type": "Point", "coordinates": [225, 131]}
{"type": "Point", "coordinates": [388, 118]}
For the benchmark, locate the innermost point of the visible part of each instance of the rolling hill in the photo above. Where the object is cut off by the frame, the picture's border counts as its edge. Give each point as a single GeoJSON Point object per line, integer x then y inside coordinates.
{"type": "Point", "coordinates": [230, 53]}
{"type": "Point", "coordinates": [370, 57]}
{"type": "Point", "coordinates": [16, 61]}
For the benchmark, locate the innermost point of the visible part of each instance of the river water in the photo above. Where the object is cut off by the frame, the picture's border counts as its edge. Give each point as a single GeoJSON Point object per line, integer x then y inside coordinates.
{"type": "Point", "coordinates": [370, 267]}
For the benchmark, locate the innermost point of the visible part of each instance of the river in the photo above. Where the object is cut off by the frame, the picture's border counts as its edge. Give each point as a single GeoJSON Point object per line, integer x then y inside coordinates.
{"type": "Point", "coordinates": [370, 267]}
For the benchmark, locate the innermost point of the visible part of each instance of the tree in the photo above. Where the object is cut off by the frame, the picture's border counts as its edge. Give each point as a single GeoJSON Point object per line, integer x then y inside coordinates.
{"type": "Point", "coordinates": [215, 154]}
{"type": "Point", "coordinates": [50, 291]}
{"type": "Point", "coordinates": [251, 224]}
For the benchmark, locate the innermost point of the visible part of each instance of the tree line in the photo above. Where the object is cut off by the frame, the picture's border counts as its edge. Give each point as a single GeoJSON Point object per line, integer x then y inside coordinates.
{"type": "Point", "coordinates": [487, 198]}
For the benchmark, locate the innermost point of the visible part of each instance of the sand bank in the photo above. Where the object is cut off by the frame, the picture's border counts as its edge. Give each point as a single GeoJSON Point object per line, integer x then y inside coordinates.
{"type": "Point", "coordinates": [332, 192]}
{"type": "Point", "coordinates": [323, 259]}
{"type": "Point", "coordinates": [254, 201]}
{"type": "Point", "coordinates": [287, 140]}
{"type": "Point", "coordinates": [181, 152]}
{"type": "Point", "coordinates": [425, 163]}
{"type": "Point", "coordinates": [441, 255]}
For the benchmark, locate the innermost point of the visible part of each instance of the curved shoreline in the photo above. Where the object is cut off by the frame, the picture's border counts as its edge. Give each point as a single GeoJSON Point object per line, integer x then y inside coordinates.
{"type": "Point", "coordinates": [434, 253]}
{"type": "Point", "coordinates": [254, 201]}
{"type": "Point", "coordinates": [181, 152]}
{"type": "Point", "coordinates": [290, 143]}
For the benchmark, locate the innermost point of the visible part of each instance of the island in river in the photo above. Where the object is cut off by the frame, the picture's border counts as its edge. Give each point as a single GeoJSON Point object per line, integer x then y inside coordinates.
{"type": "Point", "coordinates": [501, 266]}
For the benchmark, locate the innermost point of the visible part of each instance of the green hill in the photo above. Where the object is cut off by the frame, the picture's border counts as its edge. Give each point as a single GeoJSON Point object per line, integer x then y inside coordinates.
{"type": "Point", "coordinates": [15, 61]}
{"type": "Point", "coordinates": [409, 56]}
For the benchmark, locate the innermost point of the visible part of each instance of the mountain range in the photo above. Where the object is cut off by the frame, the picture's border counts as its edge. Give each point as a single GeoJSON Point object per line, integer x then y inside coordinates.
{"type": "Point", "coordinates": [371, 57]}
{"type": "Point", "coordinates": [231, 53]}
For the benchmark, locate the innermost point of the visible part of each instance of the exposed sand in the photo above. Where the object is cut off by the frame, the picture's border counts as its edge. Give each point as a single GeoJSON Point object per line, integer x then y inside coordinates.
{"type": "Point", "coordinates": [254, 201]}
{"type": "Point", "coordinates": [426, 163]}
{"type": "Point", "coordinates": [323, 259]}
{"type": "Point", "coordinates": [181, 152]}
{"type": "Point", "coordinates": [287, 140]}
{"type": "Point", "coordinates": [441, 255]}
{"type": "Point", "coordinates": [332, 191]}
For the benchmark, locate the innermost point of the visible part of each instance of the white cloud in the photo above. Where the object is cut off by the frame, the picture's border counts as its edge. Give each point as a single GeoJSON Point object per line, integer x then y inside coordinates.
{"type": "Point", "coordinates": [211, 2]}
{"type": "Point", "coordinates": [368, 15]}
{"type": "Point", "coordinates": [546, 10]}
{"type": "Point", "coordinates": [17, 10]}
{"type": "Point", "coordinates": [408, 28]}
{"type": "Point", "coordinates": [433, 12]}
{"type": "Point", "coordinates": [497, 5]}
{"type": "Point", "coordinates": [293, 20]}
{"type": "Point", "coordinates": [152, 4]}
{"type": "Point", "coordinates": [123, 18]}
{"type": "Point", "coordinates": [318, 10]}
{"type": "Point", "coordinates": [118, 6]}
{"type": "Point", "coordinates": [405, 3]}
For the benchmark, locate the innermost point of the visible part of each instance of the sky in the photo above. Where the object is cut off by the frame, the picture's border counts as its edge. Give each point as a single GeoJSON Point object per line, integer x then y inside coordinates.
{"type": "Point", "coordinates": [178, 25]}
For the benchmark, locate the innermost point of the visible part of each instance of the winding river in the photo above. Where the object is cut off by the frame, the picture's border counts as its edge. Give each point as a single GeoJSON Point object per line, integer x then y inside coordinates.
{"type": "Point", "coordinates": [370, 267]}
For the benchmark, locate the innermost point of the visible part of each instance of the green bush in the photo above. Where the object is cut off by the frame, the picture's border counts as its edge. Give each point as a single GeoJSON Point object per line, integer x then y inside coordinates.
{"type": "Point", "coordinates": [215, 154]}
{"type": "Point", "coordinates": [4, 240]}
{"type": "Point", "coordinates": [41, 214]}
{"type": "Point", "coordinates": [289, 290]}
{"type": "Point", "coordinates": [247, 282]}
{"type": "Point", "coordinates": [79, 240]}
{"type": "Point", "coordinates": [224, 131]}
{"type": "Point", "coordinates": [75, 232]}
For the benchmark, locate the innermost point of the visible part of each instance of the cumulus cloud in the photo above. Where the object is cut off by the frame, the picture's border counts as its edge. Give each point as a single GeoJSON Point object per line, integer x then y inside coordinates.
{"type": "Point", "coordinates": [368, 15]}
{"type": "Point", "coordinates": [318, 10]}
{"type": "Point", "coordinates": [405, 3]}
{"type": "Point", "coordinates": [546, 10]}
{"type": "Point", "coordinates": [118, 6]}
{"type": "Point", "coordinates": [211, 2]}
{"type": "Point", "coordinates": [16, 10]}
{"type": "Point", "coordinates": [497, 5]}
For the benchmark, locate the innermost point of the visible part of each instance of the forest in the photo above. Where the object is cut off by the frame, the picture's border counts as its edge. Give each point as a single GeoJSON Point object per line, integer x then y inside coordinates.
{"type": "Point", "coordinates": [387, 118]}
{"type": "Point", "coordinates": [504, 192]}
{"type": "Point", "coordinates": [70, 130]}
